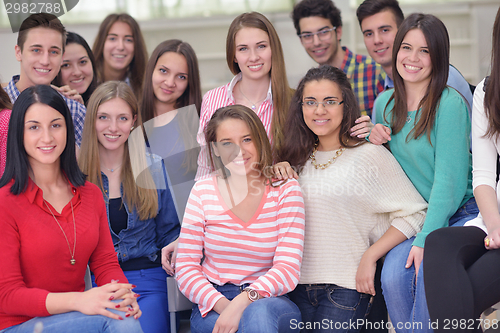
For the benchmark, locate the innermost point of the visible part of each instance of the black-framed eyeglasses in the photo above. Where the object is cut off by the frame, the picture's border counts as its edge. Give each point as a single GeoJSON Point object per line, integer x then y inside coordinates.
{"type": "Point", "coordinates": [308, 37]}
{"type": "Point", "coordinates": [312, 104]}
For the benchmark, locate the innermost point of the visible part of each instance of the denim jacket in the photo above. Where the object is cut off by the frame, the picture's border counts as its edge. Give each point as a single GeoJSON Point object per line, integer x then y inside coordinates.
{"type": "Point", "coordinates": [145, 238]}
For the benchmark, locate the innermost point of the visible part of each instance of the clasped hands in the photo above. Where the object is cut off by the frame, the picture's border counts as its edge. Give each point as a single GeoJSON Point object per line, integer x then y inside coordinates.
{"type": "Point", "coordinates": [113, 295]}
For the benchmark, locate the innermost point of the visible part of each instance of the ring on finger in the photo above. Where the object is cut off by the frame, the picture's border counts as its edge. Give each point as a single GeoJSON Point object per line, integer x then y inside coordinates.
{"type": "Point", "coordinates": [487, 242]}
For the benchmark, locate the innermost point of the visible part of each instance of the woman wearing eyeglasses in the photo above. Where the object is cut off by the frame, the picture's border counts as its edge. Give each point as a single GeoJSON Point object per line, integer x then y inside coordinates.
{"type": "Point", "coordinates": [359, 203]}
{"type": "Point", "coordinates": [255, 56]}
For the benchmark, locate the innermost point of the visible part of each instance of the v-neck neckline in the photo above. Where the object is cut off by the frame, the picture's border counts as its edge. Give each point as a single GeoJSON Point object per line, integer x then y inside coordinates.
{"type": "Point", "coordinates": [233, 216]}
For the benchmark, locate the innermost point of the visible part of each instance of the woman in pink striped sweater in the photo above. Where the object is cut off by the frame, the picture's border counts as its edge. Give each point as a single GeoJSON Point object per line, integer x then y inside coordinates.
{"type": "Point", "coordinates": [250, 230]}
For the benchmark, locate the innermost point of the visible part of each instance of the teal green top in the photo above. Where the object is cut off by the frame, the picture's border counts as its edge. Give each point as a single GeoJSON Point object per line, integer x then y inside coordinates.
{"type": "Point", "coordinates": [441, 170]}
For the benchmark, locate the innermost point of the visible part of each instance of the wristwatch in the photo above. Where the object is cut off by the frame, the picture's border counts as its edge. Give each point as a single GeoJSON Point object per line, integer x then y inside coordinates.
{"type": "Point", "coordinates": [253, 295]}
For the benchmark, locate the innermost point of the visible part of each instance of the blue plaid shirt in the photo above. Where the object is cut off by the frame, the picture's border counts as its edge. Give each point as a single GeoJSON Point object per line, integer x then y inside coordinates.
{"type": "Point", "coordinates": [77, 110]}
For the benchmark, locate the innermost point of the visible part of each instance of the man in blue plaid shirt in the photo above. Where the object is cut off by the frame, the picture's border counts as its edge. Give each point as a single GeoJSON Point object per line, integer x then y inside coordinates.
{"type": "Point", "coordinates": [319, 25]}
{"type": "Point", "coordinates": [39, 50]}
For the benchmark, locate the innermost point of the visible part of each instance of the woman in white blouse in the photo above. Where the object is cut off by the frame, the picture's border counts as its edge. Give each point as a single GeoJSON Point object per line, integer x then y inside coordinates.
{"type": "Point", "coordinates": [462, 270]}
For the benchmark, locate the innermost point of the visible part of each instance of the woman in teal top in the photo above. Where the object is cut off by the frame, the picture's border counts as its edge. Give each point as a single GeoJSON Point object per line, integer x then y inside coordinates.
{"type": "Point", "coordinates": [426, 125]}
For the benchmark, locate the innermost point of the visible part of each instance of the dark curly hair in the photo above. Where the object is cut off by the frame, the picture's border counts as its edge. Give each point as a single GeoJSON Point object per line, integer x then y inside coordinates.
{"type": "Point", "coordinates": [299, 139]}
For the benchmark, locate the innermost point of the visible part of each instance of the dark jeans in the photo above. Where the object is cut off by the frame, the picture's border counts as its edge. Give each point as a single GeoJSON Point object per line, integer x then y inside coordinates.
{"type": "Point", "coordinates": [377, 318]}
{"type": "Point", "coordinates": [330, 308]}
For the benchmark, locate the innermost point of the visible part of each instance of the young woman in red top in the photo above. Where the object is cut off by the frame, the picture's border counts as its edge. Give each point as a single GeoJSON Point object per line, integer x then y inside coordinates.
{"type": "Point", "coordinates": [53, 224]}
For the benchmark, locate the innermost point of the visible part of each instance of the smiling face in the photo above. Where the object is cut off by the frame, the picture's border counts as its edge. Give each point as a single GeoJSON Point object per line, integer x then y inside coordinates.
{"type": "Point", "coordinates": [236, 148]}
{"type": "Point", "coordinates": [170, 78]}
{"type": "Point", "coordinates": [40, 58]}
{"type": "Point", "coordinates": [413, 61]}
{"type": "Point", "coordinates": [253, 53]}
{"type": "Point", "coordinates": [113, 124]}
{"type": "Point", "coordinates": [379, 31]}
{"type": "Point", "coordinates": [324, 121]}
{"type": "Point", "coordinates": [44, 135]}
{"type": "Point", "coordinates": [119, 47]}
{"type": "Point", "coordinates": [322, 51]}
{"type": "Point", "coordinates": [76, 70]}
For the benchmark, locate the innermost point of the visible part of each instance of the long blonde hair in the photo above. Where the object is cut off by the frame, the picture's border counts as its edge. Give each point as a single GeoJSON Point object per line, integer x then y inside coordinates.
{"type": "Point", "coordinates": [144, 198]}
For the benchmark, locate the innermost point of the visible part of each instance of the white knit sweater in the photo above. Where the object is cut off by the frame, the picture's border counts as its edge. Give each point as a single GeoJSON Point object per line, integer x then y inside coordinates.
{"type": "Point", "coordinates": [349, 206]}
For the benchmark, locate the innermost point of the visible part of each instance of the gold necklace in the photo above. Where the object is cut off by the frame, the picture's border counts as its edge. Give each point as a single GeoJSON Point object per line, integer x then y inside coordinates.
{"type": "Point", "coordinates": [72, 261]}
{"type": "Point", "coordinates": [330, 161]}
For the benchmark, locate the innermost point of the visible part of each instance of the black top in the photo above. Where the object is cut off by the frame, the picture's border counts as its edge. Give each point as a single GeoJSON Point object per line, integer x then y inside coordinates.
{"type": "Point", "coordinates": [118, 218]}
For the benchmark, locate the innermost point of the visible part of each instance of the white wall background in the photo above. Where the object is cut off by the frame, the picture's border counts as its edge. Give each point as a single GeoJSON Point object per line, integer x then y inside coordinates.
{"type": "Point", "coordinates": [469, 24]}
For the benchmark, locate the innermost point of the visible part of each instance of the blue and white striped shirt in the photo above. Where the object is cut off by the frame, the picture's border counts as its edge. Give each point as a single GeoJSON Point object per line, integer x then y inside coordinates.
{"type": "Point", "coordinates": [77, 110]}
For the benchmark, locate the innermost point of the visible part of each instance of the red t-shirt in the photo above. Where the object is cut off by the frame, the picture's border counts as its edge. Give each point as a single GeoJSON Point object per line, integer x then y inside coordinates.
{"type": "Point", "coordinates": [35, 257]}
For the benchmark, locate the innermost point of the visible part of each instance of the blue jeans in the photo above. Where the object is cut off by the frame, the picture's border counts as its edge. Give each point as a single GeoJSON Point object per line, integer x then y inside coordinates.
{"type": "Point", "coordinates": [330, 308]}
{"type": "Point", "coordinates": [77, 322]}
{"type": "Point", "coordinates": [267, 315]}
{"type": "Point", "coordinates": [404, 292]}
{"type": "Point", "coordinates": [465, 213]}
{"type": "Point", "coordinates": [152, 286]}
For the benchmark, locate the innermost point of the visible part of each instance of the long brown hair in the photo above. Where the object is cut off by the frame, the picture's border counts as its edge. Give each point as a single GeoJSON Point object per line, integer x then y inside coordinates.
{"type": "Point", "coordinates": [299, 139]}
{"type": "Point", "coordinates": [282, 93]}
{"type": "Point", "coordinates": [5, 100]}
{"type": "Point", "coordinates": [191, 96]}
{"type": "Point", "coordinates": [74, 38]}
{"type": "Point", "coordinates": [144, 198]}
{"type": "Point", "coordinates": [138, 64]}
{"type": "Point", "coordinates": [257, 133]}
{"type": "Point", "coordinates": [438, 43]}
{"type": "Point", "coordinates": [492, 95]}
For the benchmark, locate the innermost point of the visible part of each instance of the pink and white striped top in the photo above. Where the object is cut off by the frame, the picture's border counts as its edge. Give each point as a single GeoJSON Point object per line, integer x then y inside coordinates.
{"type": "Point", "coordinates": [265, 252]}
{"type": "Point", "coordinates": [216, 99]}
{"type": "Point", "coordinates": [4, 129]}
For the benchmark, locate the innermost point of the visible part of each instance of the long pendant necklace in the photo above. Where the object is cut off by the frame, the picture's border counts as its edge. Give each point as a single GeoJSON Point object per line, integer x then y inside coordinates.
{"type": "Point", "coordinates": [254, 105]}
{"type": "Point", "coordinates": [330, 161]}
{"type": "Point", "coordinates": [72, 261]}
